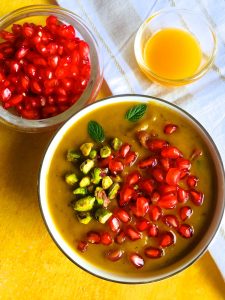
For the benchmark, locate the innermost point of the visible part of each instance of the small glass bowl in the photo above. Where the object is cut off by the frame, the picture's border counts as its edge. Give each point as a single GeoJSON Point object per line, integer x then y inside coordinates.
{"type": "Point", "coordinates": [181, 19]}
{"type": "Point", "coordinates": [37, 14]}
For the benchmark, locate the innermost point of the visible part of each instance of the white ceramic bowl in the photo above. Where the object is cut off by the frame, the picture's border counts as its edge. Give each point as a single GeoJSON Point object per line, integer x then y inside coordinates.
{"type": "Point", "coordinates": [184, 262]}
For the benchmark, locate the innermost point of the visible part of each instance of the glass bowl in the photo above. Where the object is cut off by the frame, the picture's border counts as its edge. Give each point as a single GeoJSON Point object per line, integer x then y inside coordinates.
{"type": "Point", "coordinates": [58, 234]}
{"type": "Point", "coordinates": [185, 20]}
{"type": "Point", "coordinates": [37, 14]}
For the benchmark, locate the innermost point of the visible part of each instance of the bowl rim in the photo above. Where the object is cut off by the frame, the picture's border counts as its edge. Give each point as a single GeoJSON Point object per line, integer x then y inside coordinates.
{"type": "Point", "coordinates": [180, 81]}
{"type": "Point", "coordinates": [147, 99]}
{"type": "Point", "coordinates": [89, 92]}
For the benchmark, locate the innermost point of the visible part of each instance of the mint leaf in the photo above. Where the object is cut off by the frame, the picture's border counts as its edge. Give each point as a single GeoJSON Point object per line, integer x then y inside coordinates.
{"type": "Point", "coordinates": [136, 112]}
{"type": "Point", "coordinates": [96, 131]}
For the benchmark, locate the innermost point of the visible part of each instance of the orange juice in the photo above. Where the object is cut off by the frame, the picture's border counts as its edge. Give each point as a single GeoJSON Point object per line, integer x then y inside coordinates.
{"type": "Point", "coordinates": [173, 54]}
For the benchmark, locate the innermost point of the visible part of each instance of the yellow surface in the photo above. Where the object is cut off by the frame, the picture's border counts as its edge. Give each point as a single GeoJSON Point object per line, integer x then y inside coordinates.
{"type": "Point", "coordinates": [32, 267]}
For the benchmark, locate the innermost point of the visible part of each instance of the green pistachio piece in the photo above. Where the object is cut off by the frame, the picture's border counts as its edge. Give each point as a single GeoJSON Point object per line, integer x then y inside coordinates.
{"type": "Point", "coordinates": [102, 215]}
{"type": "Point", "coordinates": [105, 151]}
{"type": "Point", "coordinates": [84, 204]}
{"type": "Point", "coordinates": [86, 166]}
{"type": "Point", "coordinates": [72, 155]}
{"type": "Point", "coordinates": [80, 191]}
{"type": "Point", "coordinates": [116, 144]}
{"type": "Point", "coordinates": [93, 154]}
{"type": "Point", "coordinates": [71, 178]}
{"type": "Point", "coordinates": [113, 190]}
{"type": "Point", "coordinates": [96, 175]}
{"type": "Point", "coordinates": [84, 217]}
{"type": "Point", "coordinates": [106, 182]}
{"type": "Point", "coordinates": [86, 148]}
{"type": "Point", "coordinates": [85, 181]}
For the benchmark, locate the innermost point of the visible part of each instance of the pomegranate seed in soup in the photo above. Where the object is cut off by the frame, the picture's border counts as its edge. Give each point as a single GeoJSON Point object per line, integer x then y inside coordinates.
{"type": "Point", "coordinates": [138, 198]}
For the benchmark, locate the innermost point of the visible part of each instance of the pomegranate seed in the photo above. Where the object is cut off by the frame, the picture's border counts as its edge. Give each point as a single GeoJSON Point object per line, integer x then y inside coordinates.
{"type": "Point", "coordinates": [142, 206]}
{"type": "Point", "coordinates": [133, 178]}
{"type": "Point", "coordinates": [184, 173]}
{"type": "Point", "coordinates": [116, 166]}
{"type": "Point", "coordinates": [170, 221]}
{"type": "Point", "coordinates": [185, 212]}
{"type": "Point", "coordinates": [126, 194]}
{"type": "Point", "coordinates": [186, 231]}
{"type": "Point", "coordinates": [167, 239]}
{"type": "Point", "coordinates": [132, 233]}
{"type": "Point", "coordinates": [192, 181]}
{"type": "Point", "coordinates": [183, 195]}
{"type": "Point", "coordinates": [13, 101]}
{"type": "Point", "coordinates": [165, 163]}
{"type": "Point", "coordinates": [114, 224]}
{"type": "Point", "coordinates": [82, 246]}
{"type": "Point", "coordinates": [124, 149]}
{"type": "Point", "coordinates": [197, 197]}
{"type": "Point", "coordinates": [153, 252]}
{"type": "Point", "coordinates": [25, 81]}
{"type": "Point", "coordinates": [93, 237]}
{"type": "Point", "coordinates": [114, 254]}
{"type": "Point", "coordinates": [30, 114]}
{"type": "Point", "coordinates": [21, 52]}
{"type": "Point", "coordinates": [155, 197]}
{"type": "Point", "coordinates": [166, 189]}
{"type": "Point", "coordinates": [155, 213]}
{"type": "Point", "coordinates": [167, 201]}
{"type": "Point", "coordinates": [120, 237]}
{"type": "Point", "coordinates": [106, 238]}
{"type": "Point", "coordinates": [170, 128]}
{"type": "Point", "coordinates": [142, 224]}
{"type": "Point", "coordinates": [137, 260]}
{"type": "Point", "coordinates": [196, 154]}
{"type": "Point", "coordinates": [173, 176]}
{"type": "Point", "coordinates": [51, 20]}
{"type": "Point", "coordinates": [122, 215]}
{"type": "Point", "coordinates": [31, 70]}
{"type": "Point", "coordinates": [104, 162]}
{"type": "Point", "coordinates": [5, 94]}
{"type": "Point", "coordinates": [14, 67]}
{"type": "Point", "coordinates": [28, 31]}
{"type": "Point", "coordinates": [171, 152]}
{"type": "Point", "coordinates": [130, 158]}
{"type": "Point", "coordinates": [35, 86]}
{"type": "Point", "coordinates": [8, 36]}
{"type": "Point", "coordinates": [83, 49]}
{"type": "Point", "coordinates": [158, 174]}
{"type": "Point", "coordinates": [148, 162]}
{"type": "Point", "coordinates": [183, 163]}
{"type": "Point", "coordinates": [147, 185]}
{"type": "Point", "coordinates": [156, 145]}
{"type": "Point", "coordinates": [53, 61]}
{"type": "Point", "coordinates": [153, 230]}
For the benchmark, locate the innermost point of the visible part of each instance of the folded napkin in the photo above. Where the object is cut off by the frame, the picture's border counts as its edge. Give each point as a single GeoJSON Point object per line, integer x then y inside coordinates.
{"type": "Point", "coordinates": [115, 23]}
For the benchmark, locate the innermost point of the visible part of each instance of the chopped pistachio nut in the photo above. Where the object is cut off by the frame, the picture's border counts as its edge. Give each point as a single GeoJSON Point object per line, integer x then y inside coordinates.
{"type": "Point", "coordinates": [105, 151]}
{"type": "Point", "coordinates": [113, 190]}
{"type": "Point", "coordinates": [85, 181]}
{"type": "Point", "coordinates": [71, 178]}
{"type": "Point", "coordinates": [116, 144]}
{"type": "Point", "coordinates": [86, 148]}
{"type": "Point", "coordinates": [84, 204]}
{"type": "Point", "coordinates": [72, 155]}
{"type": "Point", "coordinates": [80, 191]}
{"type": "Point", "coordinates": [84, 217]}
{"type": "Point", "coordinates": [106, 182]}
{"type": "Point", "coordinates": [86, 166]}
{"type": "Point", "coordinates": [99, 195]}
{"type": "Point", "coordinates": [96, 175]}
{"type": "Point", "coordinates": [102, 215]}
{"type": "Point", "coordinates": [93, 154]}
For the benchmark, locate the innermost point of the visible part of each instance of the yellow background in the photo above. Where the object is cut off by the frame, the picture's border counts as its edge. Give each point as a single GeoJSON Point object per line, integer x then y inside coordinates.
{"type": "Point", "coordinates": [32, 267]}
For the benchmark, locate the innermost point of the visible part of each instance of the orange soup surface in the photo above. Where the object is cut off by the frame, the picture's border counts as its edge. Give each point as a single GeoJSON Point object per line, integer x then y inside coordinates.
{"type": "Point", "coordinates": [173, 54]}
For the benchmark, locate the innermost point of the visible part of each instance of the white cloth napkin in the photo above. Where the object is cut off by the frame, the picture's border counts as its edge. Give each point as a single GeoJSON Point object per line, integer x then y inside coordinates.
{"type": "Point", "coordinates": [115, 23]}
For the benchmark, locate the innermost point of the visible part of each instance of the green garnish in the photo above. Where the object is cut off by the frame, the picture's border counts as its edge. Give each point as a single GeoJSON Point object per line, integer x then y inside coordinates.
{"type": "Point", "coordinates": [96, 131]}
{"type": "Point", "coordinates": [136, 112]}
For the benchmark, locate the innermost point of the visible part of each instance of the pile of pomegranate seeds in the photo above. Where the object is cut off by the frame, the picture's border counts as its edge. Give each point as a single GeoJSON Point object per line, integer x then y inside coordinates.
{"type": "Point", "coordinates": [155, 201]}
{"type": "Point", "coordinates": [43, 69]}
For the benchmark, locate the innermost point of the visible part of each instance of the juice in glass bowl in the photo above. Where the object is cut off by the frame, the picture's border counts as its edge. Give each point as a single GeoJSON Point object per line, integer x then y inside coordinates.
{"type": "Point", "coordinates": [175, 47]}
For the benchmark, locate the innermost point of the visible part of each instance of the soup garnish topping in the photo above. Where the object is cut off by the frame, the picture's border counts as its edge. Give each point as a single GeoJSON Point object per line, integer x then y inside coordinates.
{"type": "Point", "coordinates": [133, 197]}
